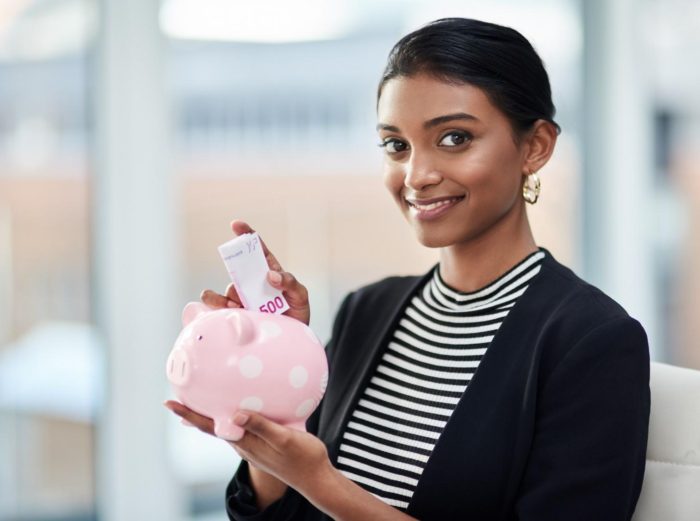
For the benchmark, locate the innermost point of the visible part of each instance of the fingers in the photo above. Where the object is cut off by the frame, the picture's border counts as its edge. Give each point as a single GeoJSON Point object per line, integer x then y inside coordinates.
{"type": "Point", "coordinates": [270, 432]}
{"type": "Point", "coordinates": [233, 297]}
{"type": "Point", "coordinates": [203, 423]}
{"type": "Point", "coordinates": [240, 227]}
{"type": "Point", "coordinates": [215, 301]}
{"type": "Point", "coordinates": [296, 293]}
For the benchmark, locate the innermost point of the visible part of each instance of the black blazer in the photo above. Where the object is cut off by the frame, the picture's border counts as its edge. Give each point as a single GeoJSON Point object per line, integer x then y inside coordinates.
{"type": "Point", "coordinates": [552, 427]}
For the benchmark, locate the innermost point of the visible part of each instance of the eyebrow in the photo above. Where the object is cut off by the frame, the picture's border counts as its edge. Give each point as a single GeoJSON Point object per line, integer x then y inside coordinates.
{"type": "Point", "coordinates": [433, 122]}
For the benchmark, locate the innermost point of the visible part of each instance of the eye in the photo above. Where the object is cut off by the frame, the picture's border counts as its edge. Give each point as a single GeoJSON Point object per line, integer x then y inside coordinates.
{"type": "Point", "coordinates": [455, 138]}
{"type": "Point", "coordinates": [393, 145]}
{"type": "Point", "coordinates": [200, 337]}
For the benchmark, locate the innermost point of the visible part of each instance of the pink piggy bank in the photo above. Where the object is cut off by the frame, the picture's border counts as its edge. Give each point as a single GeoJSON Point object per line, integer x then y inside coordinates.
{"type": "Point", "coordinates": [230, 359]}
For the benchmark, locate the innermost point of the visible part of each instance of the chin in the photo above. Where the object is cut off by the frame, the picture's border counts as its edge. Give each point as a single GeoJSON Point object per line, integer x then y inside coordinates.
{"type": "Point", "coordinates": [433, 240]}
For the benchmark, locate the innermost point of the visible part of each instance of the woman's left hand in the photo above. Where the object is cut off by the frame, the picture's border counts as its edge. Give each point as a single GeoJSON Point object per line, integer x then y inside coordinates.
{"type": "Point", "coordinates": [297, 458]}
{"type": "Point", "coordinates": [300, 460]}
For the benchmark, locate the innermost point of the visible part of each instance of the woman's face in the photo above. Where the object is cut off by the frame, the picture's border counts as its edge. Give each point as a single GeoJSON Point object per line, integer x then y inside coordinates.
{"type": "Point", "coordinates": [450, 142]}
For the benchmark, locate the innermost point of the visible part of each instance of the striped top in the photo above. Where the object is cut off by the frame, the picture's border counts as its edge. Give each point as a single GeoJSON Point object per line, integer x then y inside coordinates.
{"type": "Point", "coordinates": [426, 367]}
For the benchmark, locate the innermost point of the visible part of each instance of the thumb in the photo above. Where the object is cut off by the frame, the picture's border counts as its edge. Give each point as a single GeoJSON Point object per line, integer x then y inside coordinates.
{"type": "Point", "coordinates": [274, 434]}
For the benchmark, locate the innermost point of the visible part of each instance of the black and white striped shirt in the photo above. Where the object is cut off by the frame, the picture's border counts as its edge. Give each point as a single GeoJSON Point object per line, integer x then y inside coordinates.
{"type": "Point", "coordinates": [426, 366]}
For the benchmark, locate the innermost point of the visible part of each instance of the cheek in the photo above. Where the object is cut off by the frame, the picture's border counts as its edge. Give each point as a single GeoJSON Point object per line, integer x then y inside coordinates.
{"type": "Point", "coordinates": [393, 180]}
{"type": "Point", "coordinates": [494, 173]}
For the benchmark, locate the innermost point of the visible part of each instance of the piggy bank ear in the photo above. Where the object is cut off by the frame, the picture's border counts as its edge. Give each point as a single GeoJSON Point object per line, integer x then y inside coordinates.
{"type": "Point", "coordinates": [192, 310]}
{"type": "Point", "coordinates": [242, 325]}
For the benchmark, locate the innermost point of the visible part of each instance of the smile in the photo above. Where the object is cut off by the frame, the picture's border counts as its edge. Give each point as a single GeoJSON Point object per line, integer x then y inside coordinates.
{"type": "Point", "coordinates": [434, 210]}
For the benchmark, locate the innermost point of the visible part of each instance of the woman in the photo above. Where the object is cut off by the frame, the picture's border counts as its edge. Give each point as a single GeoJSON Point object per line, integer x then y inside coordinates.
{"type": "Point", "coordinates": [497, 386]}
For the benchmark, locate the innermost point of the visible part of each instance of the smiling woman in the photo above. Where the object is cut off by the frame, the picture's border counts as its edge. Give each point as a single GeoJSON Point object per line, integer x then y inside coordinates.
{"type": "Point", "coordinates": [456, 144]}
{"type": "Point", "coordinates": [496, 386]}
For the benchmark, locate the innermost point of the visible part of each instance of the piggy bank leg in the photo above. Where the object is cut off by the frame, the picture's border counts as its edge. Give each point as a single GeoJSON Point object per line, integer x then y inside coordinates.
{"type": "Point", "coordinates": [225, 428]}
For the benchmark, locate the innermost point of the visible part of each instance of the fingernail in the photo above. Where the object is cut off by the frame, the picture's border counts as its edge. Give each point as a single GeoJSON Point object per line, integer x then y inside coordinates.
{"type": "Point", "coordinates": [275, 277]}
{"type": "Point", "coordinates": [186, 423]}
{"type": "Point", "coordinates": [240, 419]}
{"type": "Point", "coordinates": [231, 304]}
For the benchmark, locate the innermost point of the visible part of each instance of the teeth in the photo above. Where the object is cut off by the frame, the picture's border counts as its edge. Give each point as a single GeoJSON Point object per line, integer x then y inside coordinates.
{"type": "Point", "coordinates": [432, 206]}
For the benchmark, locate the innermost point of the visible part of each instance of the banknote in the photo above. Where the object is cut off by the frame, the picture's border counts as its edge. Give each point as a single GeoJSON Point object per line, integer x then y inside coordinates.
{"type": "Point", "coordinates": [245, 261]}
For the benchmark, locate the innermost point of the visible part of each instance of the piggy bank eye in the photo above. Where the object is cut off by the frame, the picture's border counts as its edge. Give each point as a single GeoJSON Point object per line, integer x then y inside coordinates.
{"type": "Point", "coordinates": [200, 337]}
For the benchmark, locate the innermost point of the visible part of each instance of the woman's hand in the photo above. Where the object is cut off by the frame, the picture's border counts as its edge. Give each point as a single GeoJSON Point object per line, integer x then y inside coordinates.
{"type": "Point", "coordinates": [294, 292]}
{"type": "Point", "coordinates": [301, 460]}
{"type": "Point", "coordinates": [297, 458]}
{"type": "Point", "coordinates": [267, 487]}
{"type": "Point", "coordinates": [280, 456]}
{"type": "Point", "coordinates": [191, 418]}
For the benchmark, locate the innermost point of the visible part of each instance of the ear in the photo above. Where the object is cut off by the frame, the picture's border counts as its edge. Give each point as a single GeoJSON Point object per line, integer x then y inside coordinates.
{"type": "Point", "coordinates": [540, 145]}
{"type": "Point", "coordinates": [242, 325]}
{"type": "Point", "coordinates": [193, 310]}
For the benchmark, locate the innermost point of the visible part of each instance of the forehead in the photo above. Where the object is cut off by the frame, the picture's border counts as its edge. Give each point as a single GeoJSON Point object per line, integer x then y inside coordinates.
{"type": "Point", "coordinates": [408, 100]}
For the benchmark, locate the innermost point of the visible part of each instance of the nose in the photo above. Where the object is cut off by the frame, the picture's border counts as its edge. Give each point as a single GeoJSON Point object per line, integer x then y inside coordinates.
{"type": "Point", "coordinates": [420, 172]}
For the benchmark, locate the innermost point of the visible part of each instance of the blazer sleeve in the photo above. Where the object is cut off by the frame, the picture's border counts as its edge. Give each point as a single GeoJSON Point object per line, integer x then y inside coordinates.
{"type": "Point", "coordinates": [240, 497]}
{"type": "Point", "coordinates": [589, 448]}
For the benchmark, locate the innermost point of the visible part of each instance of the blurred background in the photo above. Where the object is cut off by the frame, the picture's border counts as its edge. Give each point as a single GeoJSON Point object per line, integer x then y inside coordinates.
{"type": "Point", "coordinates": [133, 131]}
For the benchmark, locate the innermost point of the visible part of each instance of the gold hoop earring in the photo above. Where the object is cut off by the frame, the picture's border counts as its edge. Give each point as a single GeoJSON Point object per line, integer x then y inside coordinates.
{"type": "Point", "coordinates": [531, 193]}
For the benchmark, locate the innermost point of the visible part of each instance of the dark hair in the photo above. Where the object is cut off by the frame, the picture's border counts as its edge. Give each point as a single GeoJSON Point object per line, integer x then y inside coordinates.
{"type": "Point", "coordinates": [497, 59]}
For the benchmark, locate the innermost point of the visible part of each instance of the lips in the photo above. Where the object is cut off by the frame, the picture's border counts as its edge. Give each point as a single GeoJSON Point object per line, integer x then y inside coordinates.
{"type": "Point", "coordinates": [422, 203]}
{"type": "Point", "coordinates": [429, 209]}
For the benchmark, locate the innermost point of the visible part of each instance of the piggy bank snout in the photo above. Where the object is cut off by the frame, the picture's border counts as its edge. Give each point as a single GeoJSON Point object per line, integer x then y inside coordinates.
{"type": "Point", "coordinates": [178, 367]}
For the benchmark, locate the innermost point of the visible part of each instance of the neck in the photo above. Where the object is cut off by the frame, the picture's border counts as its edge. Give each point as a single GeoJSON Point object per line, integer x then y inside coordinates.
{"type": "Point", "coordinates": [471, 265]}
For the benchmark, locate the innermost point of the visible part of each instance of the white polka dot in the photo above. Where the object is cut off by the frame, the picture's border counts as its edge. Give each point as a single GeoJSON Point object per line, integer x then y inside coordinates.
{"type": "Point", "coordinates": [269, 329]}
{"type": "Point", "coordinates": [324, 382]}
{"type": "Point", "coordinates": [251, 403]}
{"type": "Point", "coordinates": [250, 366]}
{"type": "Point", "coordinates": [298, 376]}
{"type": "Point", "coordinates": [311, 334]}
{"type": "Point", "coordinates": [306, 407]}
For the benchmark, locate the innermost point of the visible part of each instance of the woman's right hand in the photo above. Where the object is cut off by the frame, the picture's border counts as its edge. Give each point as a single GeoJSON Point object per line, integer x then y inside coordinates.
{"type": "Point", "coordinates": [294, 292]}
